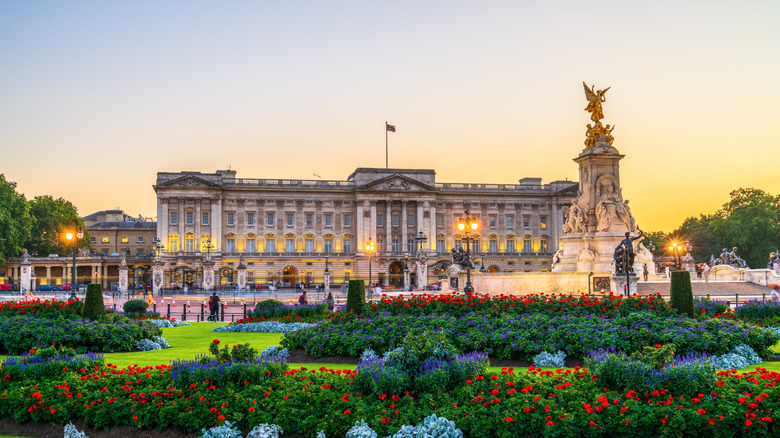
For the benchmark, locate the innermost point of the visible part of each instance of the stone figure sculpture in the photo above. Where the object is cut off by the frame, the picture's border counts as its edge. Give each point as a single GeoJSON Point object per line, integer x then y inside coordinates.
{"type": "Point", "coordinates": [586, 257]}
{"type": "Point", "coordinates": [610, 209]}
{"type": "Point", "coordinates": [643, 255]}
{"type": "Point", "coordinates": [575, 219]}
{"type": "Point", "coordinates": [459, 257]}
{"type": "Point", "coordinates": [557, 257]}
{"type": "Point", "coordinates": [730, 258]}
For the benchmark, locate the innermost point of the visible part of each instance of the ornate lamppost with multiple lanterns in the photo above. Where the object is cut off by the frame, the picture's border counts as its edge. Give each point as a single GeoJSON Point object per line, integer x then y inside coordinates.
{"type": "Point", "coordinates": [370, 249]}
{"type": "Point", "coordinates": [676, 249]}
{"type": "Point", "coordinates": [468, 224]}
{"type": "Point", "coordinates": [75, 237]}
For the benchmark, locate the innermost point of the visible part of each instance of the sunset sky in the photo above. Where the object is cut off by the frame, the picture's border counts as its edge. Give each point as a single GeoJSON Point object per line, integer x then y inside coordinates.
{"type": "Point", "coordinates": [96, 97]}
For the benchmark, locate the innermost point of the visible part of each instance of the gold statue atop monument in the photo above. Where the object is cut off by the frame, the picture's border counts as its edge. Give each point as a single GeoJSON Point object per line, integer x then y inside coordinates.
{"type": "Point", "coordinates": [595, 99]}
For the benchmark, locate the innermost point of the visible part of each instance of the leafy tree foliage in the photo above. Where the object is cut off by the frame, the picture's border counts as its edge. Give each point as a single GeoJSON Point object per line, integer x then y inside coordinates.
{"type": "Point", "coordinates": [15, 220]}
{"type": "Point", "coordinates": [52, 218]}
{"type": "Point", "coordinates": [751, 222]}
{"type": "Point", "coordinates": [698, 232]}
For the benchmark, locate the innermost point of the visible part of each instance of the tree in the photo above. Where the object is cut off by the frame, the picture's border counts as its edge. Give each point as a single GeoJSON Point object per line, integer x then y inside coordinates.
{"type": "Point", "coordinates": [697, 231]}
{"type": "Point", "coordinates": [750, 221]}
{"type": "Point", "coordinates": [52, 219]}
{"type": "Point", "coordinates": [15, 220]}
{"type": "Point", "coordinates": [94, 307]}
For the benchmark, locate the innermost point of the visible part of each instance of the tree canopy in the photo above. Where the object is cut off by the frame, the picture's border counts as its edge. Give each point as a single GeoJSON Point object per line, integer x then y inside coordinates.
{"type": "Point", "coordinates": [15, 220]}
{"type": "Point", "coordinates": [52, 218]}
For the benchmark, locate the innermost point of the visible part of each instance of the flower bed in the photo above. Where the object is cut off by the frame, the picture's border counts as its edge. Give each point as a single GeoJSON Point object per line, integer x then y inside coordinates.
{"type": "Point", "coordinates": [506, 404]}
{"type": "Point", "coordinates": [44, 309]}
{"type": "Point", "coordinates": [549, 304]}
{"type": "Point", "coordinates": [263, 327]}
{"type": "Point", "coordinates": [22, 333]}
{"type": "Point", "coordinates": [524, 336]}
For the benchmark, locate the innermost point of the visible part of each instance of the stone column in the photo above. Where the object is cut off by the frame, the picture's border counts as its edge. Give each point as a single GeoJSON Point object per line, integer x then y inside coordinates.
{"type": "Point", "coordinates": [389, 227]}
{"type": "Point", "coordinates": [431, 243]}
{"type": "Point", "coordinates": [241, 270]}
{"type": "Point", "coordinates": [48, 275]}
{"type": "Point", "coordinates": [372, 232]}
{"type": "Point", "coordinates": [162, 222]}
{"type": "Point", "coordinates": [216, 224]}
{"type": "Point", "coordinates": [157, 276]}
{"type": "Point", "coordinates": [361, 234]}
{"type": "Point", "coordinates": [26, 268]}
{"type": "Point", "coordinates": [404, 226]}
{"type": "Point", "coordinates": [123, 276]}
{"type": "Point", "coordinates": [196, 222]}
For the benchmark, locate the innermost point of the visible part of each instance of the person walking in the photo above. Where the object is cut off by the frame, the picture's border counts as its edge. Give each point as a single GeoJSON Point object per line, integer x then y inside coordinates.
{"type": "Point", "coordinates": [706, 271]}
{"type": "Point", "coordinates": [698, 272]}
{"type": "Point", "coordinates": [215, 307]}
{"type": "Point", "coordinates": [645, 272]}
{"type": "Point", "coordinates": [211, 310]}
{"type": "Point", "coordinates": [331, 302]}
{"type": "Point", "coordinates": [302, 299]}
{"type": "Point", "coordinates": [668, 273]}
{"type": "Point", "coordinates": [775, 295]}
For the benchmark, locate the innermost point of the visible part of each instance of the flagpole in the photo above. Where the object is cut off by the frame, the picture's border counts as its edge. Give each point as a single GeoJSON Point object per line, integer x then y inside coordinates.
{"type": "Point", "coordinates": [386, 153]}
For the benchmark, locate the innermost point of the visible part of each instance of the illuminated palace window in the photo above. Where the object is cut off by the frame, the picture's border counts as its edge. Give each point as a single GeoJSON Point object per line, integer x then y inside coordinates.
{"type": "Point", "coordinates": [250, 244]}
{"type": "Point", "coordinates": [189, 242]}
{"type": "Point", "coordinates": [289, 245]}
{"type": "Point", "coordinates": [231, 244]}
{"type": "Point", "coordinates": [328, 246]}
{"type": "Point", "coordinates": [493, 246]}
{"type": "Point", "coordinates": [510, 244]}
{"type": "Point", "coordinates": [173, 243]}
{"type": "Point", "coordinates": [204, 245]}
{"type": "Point", "coordinates": [527, 244]}
{"type": "Point", "coordinates": [270, 244]}
{"type": "Point", "coordinates": [309, 245]}
{"type": "Point", "coordinates": [347, 246]}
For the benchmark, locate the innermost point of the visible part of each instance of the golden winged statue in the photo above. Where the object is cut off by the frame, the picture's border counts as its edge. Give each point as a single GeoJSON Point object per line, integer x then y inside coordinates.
{"type": "Point", "coordinates": [595, 98]}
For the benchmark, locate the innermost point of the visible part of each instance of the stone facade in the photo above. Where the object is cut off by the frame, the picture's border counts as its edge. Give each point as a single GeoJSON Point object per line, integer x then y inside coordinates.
{"type": "Point", "coordinates": [285, 228]}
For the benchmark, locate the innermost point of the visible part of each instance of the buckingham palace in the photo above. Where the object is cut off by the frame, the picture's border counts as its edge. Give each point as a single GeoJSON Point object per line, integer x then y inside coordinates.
{"type": "Point", "coordinates": [286, 231]}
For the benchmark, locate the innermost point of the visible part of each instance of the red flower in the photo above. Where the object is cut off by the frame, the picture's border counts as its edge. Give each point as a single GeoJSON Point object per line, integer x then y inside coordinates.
{"type": "Point", "coordinates": [347, 412]}
{"type": "Point", "coordinates": [215, 341]}
{"type": "Point", "coordinates": [550, 423]}
{"type": "Point", "coordinates": [221, 418]}
{"type": "Point", "coordinates": [701, 412]}
{"type": "Point", "coordinates": [748, 423]}
{"type": "Point", "coordinates": [508, 419]}
{"type": "Point", "coordinates": [135, 418]}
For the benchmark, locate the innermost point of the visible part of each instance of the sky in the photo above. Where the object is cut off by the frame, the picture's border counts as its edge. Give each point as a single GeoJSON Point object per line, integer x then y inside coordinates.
{"type": "Point", "coordinates": [97, 97]}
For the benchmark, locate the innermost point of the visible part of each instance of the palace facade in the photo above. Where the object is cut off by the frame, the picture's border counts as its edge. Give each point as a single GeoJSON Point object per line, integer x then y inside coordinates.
{"type": "Point", "coordinates": [285, 231]}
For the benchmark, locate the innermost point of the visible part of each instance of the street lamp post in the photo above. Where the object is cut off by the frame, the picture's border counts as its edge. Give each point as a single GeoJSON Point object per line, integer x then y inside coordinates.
{"type": "Point", "coordinates": [326, 275]}
{"type": "Point", "coordinates": [676, 248]}
{"type": "Point", "coordinates": [370, 248]}
{"type": "Point", "coordinates": [75, 238]}
{"type": "Point", "coordinates": [468, 224]}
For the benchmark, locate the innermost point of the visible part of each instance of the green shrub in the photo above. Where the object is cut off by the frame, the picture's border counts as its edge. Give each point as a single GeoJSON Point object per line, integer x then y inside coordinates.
{"type": "Point", "coordinates": [266, 304]}
{"type": "Point", "coordinates": [356, 296]}
{"type": "Point", "coordinates": [94, 307]}
{"type": "Point", "coordinates": [681, 293]}
{"type": "Point", "coordinates": [135, 306]}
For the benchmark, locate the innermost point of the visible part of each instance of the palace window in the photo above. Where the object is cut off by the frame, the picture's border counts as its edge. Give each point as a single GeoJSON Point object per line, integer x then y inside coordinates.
{"type": "Point", "coordinates": [205, 242]}
{"type": "Point", "coordinates": [347, 220]}
{"type": "Point", "coordinates": [125, 240]}
{"type": "Point", "coordinates": [492, 221]}
{"type": "Point", "coordinates": [204, 218]}
{"type": "Point", "coordinates": [270, 244]}
{"type": "Point", "coordinates": [328, 219]}
{"type": "Point", "coordinates": [380, 220]}
{"type": "Point", "coordinates": [250, 219]}
{"type": "Point", "coordinates": [289, 245]}
{"type": "Point", "coordinates": [347, 276]}
{"type": "Point", "coordinates": [396, 247]}
{"type": "Point", "coordinates": [92, 239]}
{"type": "Point", "coordinates": [527, 245]}
{"type": "Point", "coordinates": [440, 220]}
{"type": "Point", "coordinates": [140, 240]}
{"type": "Point", "coordinates": [395, 219]}
{"type": "Point", "coordinates": [173, 243]}
{"type": "Point", "coordinates": [174, 217]}
{"type": "Point", "coordinates": [309, 219]}
{"type": "Point", "coordinates": [269, 219]}
{"type": "Point", "coordinates": [410, 220]}
{"type": "Point", "coordinates": [231, 245]}
{"type": "Point", "coordinates": [290, 219]}
{"type": "Point", "coordinates": [309, 245]}
{"type": "Point", "coordinates": [410, 246]}
{"type": "Point", "coordinates": [231, 218]}
{"type": "Point", "coordinates": [189, 217]}
{"type": "Point", "coordinates": [105, 252]}
{"type": "Point", "coordinates": [328, 246]}
{"type": "Point", "coordinates": [440, 245]}
{"type": "Point", "coordinates": [543, 244]}
{"type": "Point", "coordinates": [510, 245]}
{"type": "Point", "coordinates": [543, 221]}
{"type": "Point", "coordinates": [526, 221]}
{"type": "Point", "coordinates": [476, 246]}
{"type": "Point", "coordinates": [250, 244]}
{"type": "Point", "coordinates": [189, 242]}
{"type": "Point", "coordinates": [347, 246]}
{"type": "Point", "coordinates": [493, 248]}
{"type": "Point", "coordinates": [510, 221]}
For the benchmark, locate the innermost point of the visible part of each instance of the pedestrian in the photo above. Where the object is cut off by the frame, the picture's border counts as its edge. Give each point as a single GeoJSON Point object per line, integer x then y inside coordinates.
{"type": "Point", "coordinates": [706, 271]}
{"type": "Point", "coordinates": [331, 302]}
{"type": "Point", "coordinates": [215, 306]}
{"type": "Point", "coordinates": [668, 273]}
{"type": "Point", "coordinates": [645, 272]}
{"type": "Point", "coordinates": [775, 295]}
{"type": "Point", "coordinates": [211, 311]}
{"type": "Point", "coordinates": [302, 299]}
{"type": "Point", "coordinates": [698, 272]}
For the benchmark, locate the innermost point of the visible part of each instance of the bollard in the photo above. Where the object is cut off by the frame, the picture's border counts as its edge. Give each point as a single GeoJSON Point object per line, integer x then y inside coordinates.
{"type": "Point", "coordinates": [184, 313]}
{"type": "Point", "coordinates": [232, 318]}
{"type": "Point", "coordinates": [763, 297]}
{"type": "Point", "coordinates": [223, 312]}
{"type": "Point", "coordinates": [202, 308]}
{"type": "Point", "coordinates": [154, 307]}
{"type": "Point", "coordinates": [244, 310]}
{"type": "Point", "coordinates": [736, 301]}
{"type": "Point", "coordinates": [169, 311]}
{"type": "Point", "coordinates": [114, 307]}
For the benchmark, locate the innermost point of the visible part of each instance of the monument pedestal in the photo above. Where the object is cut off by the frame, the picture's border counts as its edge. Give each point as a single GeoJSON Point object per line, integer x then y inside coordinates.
{"type": "Point", "coordinates": [157, 276]}
{"type": "Point", "coordinates": [619, 284]}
